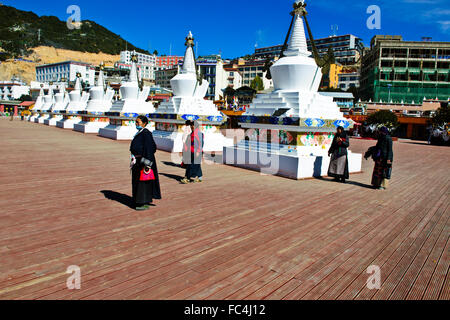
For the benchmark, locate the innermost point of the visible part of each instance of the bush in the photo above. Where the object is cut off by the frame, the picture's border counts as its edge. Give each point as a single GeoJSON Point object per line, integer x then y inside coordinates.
{"type": "Point", "coordinates": [383, 118]}
{"type": "Point", "coordinates": [442, 116]}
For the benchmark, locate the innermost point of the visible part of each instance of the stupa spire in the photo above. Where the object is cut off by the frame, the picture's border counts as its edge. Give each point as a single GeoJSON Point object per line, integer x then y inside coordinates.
{"type": "Point", "coordinates": [189, 60]}
{"type": "Point", "coordinates": [78, 83]}
{"type": "Point", "coordinates": [101, 80]}
{"type": "Point", "coordinates": [297, 44]}
{"type": "Point", "coordinates": [133, 72]}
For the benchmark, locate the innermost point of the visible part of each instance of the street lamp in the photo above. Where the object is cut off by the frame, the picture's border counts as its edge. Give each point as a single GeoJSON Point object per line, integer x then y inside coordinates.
{"type": "Point", "coordinates": [389, 87]}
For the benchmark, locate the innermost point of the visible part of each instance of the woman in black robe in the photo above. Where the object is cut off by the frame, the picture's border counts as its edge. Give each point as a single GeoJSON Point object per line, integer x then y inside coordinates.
{"type": "Point", "coordinates": [142, 147]}
{"type": "Point", "coordinates": [383, 156]}
{"type": "Point", "coordinates": [339, 156]}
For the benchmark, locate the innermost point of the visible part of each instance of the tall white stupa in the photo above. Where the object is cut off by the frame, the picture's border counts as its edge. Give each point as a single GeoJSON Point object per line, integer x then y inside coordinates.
{"type": "Point", "coordinates": [78, 102]}
{"type": "Point", "coordinates": [188, 103]}
{"type": "Point", "coordinates": [6, 94]}
{"type": "Point", "coordinates": [38, 105]}
{"type": "Point", "coordinates": [100, 102]}
{"type": "Point", "coordinates": [61, 101]}
{"type": "Point", "coordinates": [49, 100]}
{"type": "Point", "coordinates": [291, 129]}
{"type": "Point", "coordinates": [123, 113]}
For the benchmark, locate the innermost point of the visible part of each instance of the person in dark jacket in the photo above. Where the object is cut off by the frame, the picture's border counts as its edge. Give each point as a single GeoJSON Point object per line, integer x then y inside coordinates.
{"type": "Point", "coordinates": [383, 156]}
{"type": "Point", "coordinates": [339, 156]}
{"type": "Point", "coordinates": [193, 154]}
{"type": "Point", "coordinates": [143, 149]}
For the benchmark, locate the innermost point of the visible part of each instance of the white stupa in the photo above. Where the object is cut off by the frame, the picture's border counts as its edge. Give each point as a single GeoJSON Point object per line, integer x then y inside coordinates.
{"type": "Point", "coordinates": [6, 94]}
{"type": "Point", "coordinates": [78, 102]}
{"type": "Point", "coordinates": [99, 103]}
{"type": "Point", "coordinates": [188, 103]}
{"type": "Point", "coordinates": [291, 129]}
{"type": "Point", "coordinates": [123, 113]}
{"type": "Point", "coordinates": [38, 105]}
{"type": "Point", "coordinates": [49, 100]}
{"type": "Point", "coordinates": [61, 102]}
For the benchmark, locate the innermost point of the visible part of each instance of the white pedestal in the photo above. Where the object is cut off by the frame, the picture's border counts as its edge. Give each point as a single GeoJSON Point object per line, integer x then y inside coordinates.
{"type": "Point", "coordinates": [173, 141]}
{"type": "Point", "coordinates": [118, 132]}
{"type": "Point", "coordinates": [294, 165]}
{"type": "Point", "coordinates": [67, 123]}
{"type": "Point", "coordinates": [52, 121]}
{"type": "Point", "coordinates": [89, 127]}
{"type": "Point", "coordinates": [42, 118]}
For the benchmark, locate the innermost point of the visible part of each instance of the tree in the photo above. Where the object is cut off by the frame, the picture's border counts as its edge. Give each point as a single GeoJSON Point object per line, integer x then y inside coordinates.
{"type": "Point", "coordinates": [384, 118]}
{"type": "Point", "coordinates": [155, 52]}
{"type": "Point", "coordinates": [257, 84]}
{"type": "Point", "coordinates": [442, 116]}
{"type": "Point", "coordinates": [356, 93]}
{"type": "Point", "coordinates": [25, 97]}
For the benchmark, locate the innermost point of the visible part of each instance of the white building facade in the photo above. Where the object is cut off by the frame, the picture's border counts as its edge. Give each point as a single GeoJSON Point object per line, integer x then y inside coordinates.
{"type": "Point", "coordinates": [349, 80]}
{"type": "Point", "coordinates": [67, 70]}
{"type": "Point", "coordinates": [12, 90]}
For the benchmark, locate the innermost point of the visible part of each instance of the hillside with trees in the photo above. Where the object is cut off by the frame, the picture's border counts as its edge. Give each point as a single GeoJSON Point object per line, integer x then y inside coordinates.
{"type": "Point", "coordinates": [20, 31]}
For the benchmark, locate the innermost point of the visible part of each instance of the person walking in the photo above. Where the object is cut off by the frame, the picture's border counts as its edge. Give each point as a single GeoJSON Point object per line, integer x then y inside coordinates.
{"type": "Point", "coordinates": [193, 154]}
{"type": "Point", "coordinates": [145, 179]}
{"type": "Point", "coordinates": [339, 156]}
{"type": "Point", "coordinates": [383, 156]}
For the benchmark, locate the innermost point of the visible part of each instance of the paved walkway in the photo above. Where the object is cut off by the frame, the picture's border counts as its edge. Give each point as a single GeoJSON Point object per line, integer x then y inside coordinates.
{"type": "Point", "coordinates": [239, 235]}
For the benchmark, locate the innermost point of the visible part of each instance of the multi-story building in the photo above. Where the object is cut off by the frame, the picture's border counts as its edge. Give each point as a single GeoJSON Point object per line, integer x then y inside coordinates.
{"type": "Point", "coordinates": [67, 70]}
{"type": "Point", "coordinates": [331, 80]}
{"type": "Point", "coordinates": [145, 72]}
{"type": "Point", "coordinates": [168, 62]}
{"type": "Point", "coordinates": [268, 52]}
{"type": "Point", "coordinates": [347, 48]}
{"type": "Point", "coordinates": [234, 77]}
{"type": "Point", "coordinates": [250, 69]}
{"type": "Point", "coordinates": [408, 71]}
{"type": "Point", "coordinates": [163, 77]}
{"type": "Point", "coordinates": [142, 58]}
{"type": "Point", "coordinates": [349, 80]}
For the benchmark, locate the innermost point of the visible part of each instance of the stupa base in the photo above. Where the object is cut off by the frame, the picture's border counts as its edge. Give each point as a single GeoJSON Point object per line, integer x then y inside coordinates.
{"type": "Point", "coordinates": [89, 127]}
{"type": "Point", "coordinates": [41, 119]}
{"type": "Point", "coordinates": [118, 132]}
{"type": "Point", "coordinates": [66, 124]}
{"type": "Point", "coordinates": [51, 122]}
{"type": "Point", "coordinates": [173, 141]}
{"type": "Point", "coordinates": [289, 164]}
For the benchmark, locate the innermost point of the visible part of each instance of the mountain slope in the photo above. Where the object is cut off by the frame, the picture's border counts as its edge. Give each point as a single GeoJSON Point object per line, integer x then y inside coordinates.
{"type": "Point", "coordinates": [19, 32]}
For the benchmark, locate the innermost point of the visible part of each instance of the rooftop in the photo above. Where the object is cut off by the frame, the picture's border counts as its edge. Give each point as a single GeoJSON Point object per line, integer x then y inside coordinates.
{"type": "Point", "coordinates": [238, 235]}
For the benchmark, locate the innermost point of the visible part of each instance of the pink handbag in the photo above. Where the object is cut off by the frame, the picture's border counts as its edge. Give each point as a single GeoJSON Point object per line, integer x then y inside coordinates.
{"type": "Point", "coordinates": [147, 175]}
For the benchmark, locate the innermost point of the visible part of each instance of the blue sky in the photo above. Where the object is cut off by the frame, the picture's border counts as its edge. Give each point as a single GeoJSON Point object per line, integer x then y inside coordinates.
{"type": "Point", "coordinates": [234, 27]}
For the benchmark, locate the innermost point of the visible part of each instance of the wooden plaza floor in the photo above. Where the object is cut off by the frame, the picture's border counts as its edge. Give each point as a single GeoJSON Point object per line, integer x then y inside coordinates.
{"type": "Point", "coordinates": [239, 235]}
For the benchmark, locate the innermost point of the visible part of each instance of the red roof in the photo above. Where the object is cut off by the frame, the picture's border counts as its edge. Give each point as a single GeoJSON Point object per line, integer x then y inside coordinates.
{"type": "Point", "coordinates": [27, 103]}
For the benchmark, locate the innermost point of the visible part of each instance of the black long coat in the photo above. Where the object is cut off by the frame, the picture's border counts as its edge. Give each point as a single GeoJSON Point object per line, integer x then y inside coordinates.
{"type": "Point", "coordinates": [143, 145]}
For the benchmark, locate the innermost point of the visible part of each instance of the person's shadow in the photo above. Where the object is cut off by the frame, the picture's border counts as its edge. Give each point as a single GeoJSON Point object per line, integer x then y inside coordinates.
{"type": "Point", "coordinates": [172, 176]}
{"type": "Point", "coordinates": [171, 164]}
{"type": "Point", "coordinates": [119, 197]}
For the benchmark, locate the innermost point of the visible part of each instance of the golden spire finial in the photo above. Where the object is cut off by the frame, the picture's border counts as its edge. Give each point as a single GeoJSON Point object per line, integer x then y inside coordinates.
{"type": "Point", "coordinates": [299, 8]}
{"type": "Point", "coordinates": [189, 40]}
